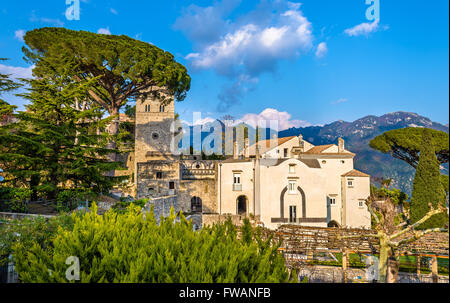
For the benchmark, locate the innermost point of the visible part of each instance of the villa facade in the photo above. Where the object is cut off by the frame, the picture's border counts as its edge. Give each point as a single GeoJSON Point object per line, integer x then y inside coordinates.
{"type": "Point", "coordinates": [278, 181]}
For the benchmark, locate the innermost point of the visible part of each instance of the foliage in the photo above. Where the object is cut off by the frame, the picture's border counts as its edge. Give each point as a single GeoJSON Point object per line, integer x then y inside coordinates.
{"type": "Point", "coordinates": [427, 187]}
{"type": "Point", "coordinates": [405, 144]}
{"type": "Point", "coordinates": [68, 200]}
{"type": "Point", "coordinates": [123, 69]}
{"type": "Point", "coordinates": [123, 205]}
{"type": "Point", "coordinates": [6, 85]}
{"type": "Point", "coordinates": [396, 195]}
{"type": "Point", "coordinates": [14, 199]}
{"type": "Point", "coordinates": [445, 184]}
{"type": "Point", "coordinates": [54, 146]}
{"type": "Point", "coordinates": [30, 231]}
{"type": "Point", "coordinates": [130, 248]}
{"type": "Point", "coordinates": [130, 110]}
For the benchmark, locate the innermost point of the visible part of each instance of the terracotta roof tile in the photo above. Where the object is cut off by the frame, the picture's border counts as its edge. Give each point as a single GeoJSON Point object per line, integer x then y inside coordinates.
{"type": "Point", "coordinates": [318, 149]}
{"type": "Point", "coordinates": [266, 145]}
{"type": "Point", "coordinates": [355, 173]}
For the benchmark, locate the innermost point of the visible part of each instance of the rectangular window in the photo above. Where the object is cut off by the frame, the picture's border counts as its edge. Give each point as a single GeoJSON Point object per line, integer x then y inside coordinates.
{"type": "Point", "coordinates": [237, 186]}
{"type": "Point", "coordinates": [350, 183]}
{"type": "Point", "coordinates": [292, 169]}
{"type": "Point", "coordinates": [159, 175]}
{"type": "Point", "coordinates": [332, 201]}
{"type": "Point", "coordinates": [285, 152]}
{"type": "Point", "coordinates": [237, 178]}
{"type": "Point", "coordinates": [162, 108]}
{"type": "Point", "coordinates": [292, 187]}
{"type": "Point", "coordinates": [172, 185]}
{"type": "Point", "coordinates": [292, 214]}
{"type": "Point", "coordinates": [361, 203]}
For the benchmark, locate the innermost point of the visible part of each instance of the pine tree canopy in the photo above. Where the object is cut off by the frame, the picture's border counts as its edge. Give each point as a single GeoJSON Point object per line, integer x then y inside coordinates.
{"type": "Point", "coordinates": [123, 67]}
{"type": "Point", "coordinates": [428, 187]}
{"type": "Point", "coordinates": [405, 144]}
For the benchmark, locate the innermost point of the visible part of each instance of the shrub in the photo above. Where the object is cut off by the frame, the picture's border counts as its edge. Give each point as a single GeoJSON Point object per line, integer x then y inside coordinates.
{"type": "Point", "coordinates": [14, 199]}
{"type": "Point", "coordinates": [31, 231]}
{"type": "Point", "coordinates": [126, 247]}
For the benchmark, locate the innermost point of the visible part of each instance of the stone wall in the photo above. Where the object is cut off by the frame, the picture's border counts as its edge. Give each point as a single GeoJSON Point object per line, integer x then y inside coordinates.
{"type": "Point", "coordinates": [162, 206]}
{"type": "Point", "coordinates": [332, 274]}
{"type": "Point", "coordinates": [211, 219]}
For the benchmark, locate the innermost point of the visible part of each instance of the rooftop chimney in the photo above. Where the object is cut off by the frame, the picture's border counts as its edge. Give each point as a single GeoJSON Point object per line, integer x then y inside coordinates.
{"type": "Point", "coordinates": [246, 149]}
{"type": "Point", "coordinates": [301, 143]}
{"type": "Point", "coordinates": [341, 145]}
{"type": "Point", "coordinates": [235, 150]}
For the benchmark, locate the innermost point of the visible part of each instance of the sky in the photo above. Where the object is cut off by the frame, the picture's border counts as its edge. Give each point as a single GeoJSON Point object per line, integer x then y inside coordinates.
{"type": "Point", "coordinates": [301, 63]}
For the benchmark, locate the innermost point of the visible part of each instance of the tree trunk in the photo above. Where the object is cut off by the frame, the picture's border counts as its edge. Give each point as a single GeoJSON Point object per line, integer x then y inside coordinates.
{"type": "Point", "coordinates": [392, 272]}
{"type": "Point", "coordinates": [113, 130]}
{"type": "Point", "coordinates": [384, 254]}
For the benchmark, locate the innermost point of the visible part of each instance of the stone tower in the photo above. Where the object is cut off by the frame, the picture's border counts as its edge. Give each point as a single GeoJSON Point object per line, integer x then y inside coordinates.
{"type": "Point", "coordinates": [157, 170]}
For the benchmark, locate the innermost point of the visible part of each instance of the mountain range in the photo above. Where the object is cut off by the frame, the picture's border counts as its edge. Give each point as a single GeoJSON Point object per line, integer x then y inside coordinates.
{"type": "Point", "coordinates": [357, 136]}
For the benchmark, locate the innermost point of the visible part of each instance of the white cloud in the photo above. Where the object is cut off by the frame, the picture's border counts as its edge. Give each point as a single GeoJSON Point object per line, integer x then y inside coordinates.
{"type": "Point", "coordinates": [113, 11]}
{"type": "Point", "coordinates": [365, 29]}
{"type": "Point", "coordinates": [54, 22]}
{"type": "Point", "coordinates": [322, 50]}
{"type": "Point", "coordinates": [104, 31]}
{"type": "Point", "coordinates": [17, 72]}
{"type": "Point", "coordinates": [339, 101]}
{"type": "Point", "coordinates": [271, 114]}
{"type": "Point", "coordinates": [253, 49]}
{"type": "Point", "coordinates": [244, 49]}
{"type": "Point", "coordinates": [18, 34]}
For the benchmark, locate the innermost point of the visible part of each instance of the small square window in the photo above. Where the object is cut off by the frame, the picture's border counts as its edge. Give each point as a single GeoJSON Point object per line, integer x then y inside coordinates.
{"type": "Point", "coordinates": [292, 169]}
{"type": "Point", "coordinates": [361, 204]}
{"type": "Point", "coordinates": [159, 175]}
{"type": "Point", "coordinates": [350, 183]}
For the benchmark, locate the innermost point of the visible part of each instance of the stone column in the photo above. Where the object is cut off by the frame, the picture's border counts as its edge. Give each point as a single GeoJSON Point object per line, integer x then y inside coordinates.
{"type": "Point", "coordinates": [344, 265]}
{"type": "Point", "coordinates": [434, 269]}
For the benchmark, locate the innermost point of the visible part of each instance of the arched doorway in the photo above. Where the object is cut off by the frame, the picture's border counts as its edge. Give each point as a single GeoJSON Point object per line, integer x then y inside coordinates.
{"type": "Point", "coordinates": [242, 205]}
{"type": "Point", "coordinates": [333, 224]}
{"type": "Point", "coordinates": [196, 205]}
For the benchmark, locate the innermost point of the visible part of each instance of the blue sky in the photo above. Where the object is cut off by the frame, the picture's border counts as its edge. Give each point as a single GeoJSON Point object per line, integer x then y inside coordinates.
{"type": "Point", "coordinates": [309, 63]}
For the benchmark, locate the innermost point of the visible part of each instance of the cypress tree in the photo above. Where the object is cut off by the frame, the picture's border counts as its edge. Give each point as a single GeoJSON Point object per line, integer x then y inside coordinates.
{"type": "Point", "coordinates": [427, 186]}
{"type": "Point", "coordinates": [54, 146]}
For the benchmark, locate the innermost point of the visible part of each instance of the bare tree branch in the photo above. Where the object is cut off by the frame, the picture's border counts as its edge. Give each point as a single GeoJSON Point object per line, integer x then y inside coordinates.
{"type": "Point", "coordinates": [431, 213]}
